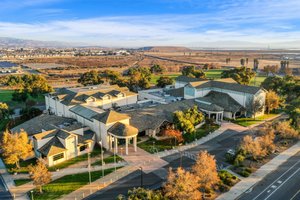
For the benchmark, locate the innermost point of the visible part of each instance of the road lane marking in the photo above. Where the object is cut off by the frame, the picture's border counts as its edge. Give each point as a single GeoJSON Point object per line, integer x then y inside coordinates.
{"type": "Point", "coordinates": [277, 179]}
{"type": "Point", "coordinates": [283, 183]}
{"type": "Point", "coordinates": [295, 195]}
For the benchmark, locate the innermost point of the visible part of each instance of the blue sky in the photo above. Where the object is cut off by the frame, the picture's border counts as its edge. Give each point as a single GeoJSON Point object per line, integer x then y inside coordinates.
{"type": "Point", "coordinates": [133, 23]}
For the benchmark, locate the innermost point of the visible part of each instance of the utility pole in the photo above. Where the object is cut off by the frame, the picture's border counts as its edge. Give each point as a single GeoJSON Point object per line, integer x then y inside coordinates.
{"type": "Point", "coordinates": [89, 166]}
{"type": "Point", "coordinates": [102, 158]}
{"type": "Point", "coordinates": [141, 168]}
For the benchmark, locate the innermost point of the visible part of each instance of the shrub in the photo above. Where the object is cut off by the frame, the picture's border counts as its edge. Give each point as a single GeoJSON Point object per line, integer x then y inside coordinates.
{"type": "Point", "coordinates": [224, 188]}
{"type": "Point", "coordinates": [238, 160]}
{"type": "Point", "coordinates": [227, 178]}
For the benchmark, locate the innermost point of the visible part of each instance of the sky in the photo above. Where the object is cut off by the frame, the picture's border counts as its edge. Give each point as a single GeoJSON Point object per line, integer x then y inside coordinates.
{"type": "Point", "coordinates": [138, 23]}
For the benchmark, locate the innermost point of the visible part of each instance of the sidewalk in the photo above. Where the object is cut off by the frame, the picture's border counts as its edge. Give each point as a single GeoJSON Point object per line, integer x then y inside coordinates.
{"type": "Point", "coordinates": [99, 184]}
{"type": "Point", "coordinates": [257, 176]}
{"type": "Point", "coordinates": [20, 192]}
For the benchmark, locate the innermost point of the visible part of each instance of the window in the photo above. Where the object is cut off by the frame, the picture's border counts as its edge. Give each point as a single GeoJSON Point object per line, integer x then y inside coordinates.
{"type": "Point", "coordinates": [82, 148]}
{"type": "Point", "coordinates": [58, 156]}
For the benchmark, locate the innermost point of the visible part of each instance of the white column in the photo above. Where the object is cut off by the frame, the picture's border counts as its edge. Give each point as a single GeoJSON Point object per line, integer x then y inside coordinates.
{"type": "Point", "coordinates": [116, 144]}
{"type": "Point", "coordinates": [222, 116]}
{"type": "Point", "coordinates": [134, 143]}
{"type": "Point", "coordinates": [109, 142]}
{"type": "Point", "coordinates": [208, 115]}
{"type": "Point", "coordinates": [126, 146]}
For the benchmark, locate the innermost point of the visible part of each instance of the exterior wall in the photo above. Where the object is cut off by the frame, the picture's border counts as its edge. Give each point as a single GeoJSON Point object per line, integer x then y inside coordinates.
{"type": "Point", "coordinates": [179, 84]}
{"type": "Point", "coordinates": [71, 145]}
{"type": "Point", "coordinates": [228, 115]}
{"type": "Point", "coordinates": [51, 162]}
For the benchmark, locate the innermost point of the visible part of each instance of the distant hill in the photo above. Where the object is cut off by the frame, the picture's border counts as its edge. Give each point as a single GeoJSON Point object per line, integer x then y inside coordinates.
{"type": "Point", "coordinates": [165, 48]}
{"type": "Point", "coordinates": [14, 42]}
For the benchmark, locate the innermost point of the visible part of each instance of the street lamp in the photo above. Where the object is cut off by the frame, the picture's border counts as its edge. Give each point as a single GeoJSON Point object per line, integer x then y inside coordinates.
{"type": "Point", "coordinates": [31, 194]}
{"type": "Point", "coordinates": [89, 166]}
{"type": "Point", "coordinates": [141, 168]}
{"type": "Point", "coordinates": [115, 155]}
{"type": "Point", "coordinates": [100, 142]}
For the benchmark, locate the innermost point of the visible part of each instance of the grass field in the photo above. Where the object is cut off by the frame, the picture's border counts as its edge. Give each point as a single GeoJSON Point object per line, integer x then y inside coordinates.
{"type": "Point", "coordinates": [20, 182]}
{"type": "Point", "coordinates": [257, 81]}
{"type": "Point", "coordinates": [67, 184]}
{"type": "Point", "coordinates": [6, 97]}
{"type": "Point", "coordinates": [213, 73]}
{"type": "Point", "coordinates": [250, 121]}
{"type": "Point", "coordinates": [107, 160]}
{"type": "Point", "coordinates": [155, 77]}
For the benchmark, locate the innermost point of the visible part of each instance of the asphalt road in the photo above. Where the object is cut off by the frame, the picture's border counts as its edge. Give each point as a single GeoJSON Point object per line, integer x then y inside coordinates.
{"type": "Point", "coordinates": [217, 146]}
{"type": "Point", "coordinates": [282, 184]}
{"type": "Point", "coordinates": [4, 194]}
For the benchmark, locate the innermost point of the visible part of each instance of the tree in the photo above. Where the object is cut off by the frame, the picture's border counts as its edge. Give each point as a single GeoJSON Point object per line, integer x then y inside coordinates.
{"type": "Point", "coordinates": [272, 101]}
{"type": "Point", "coordinates": [251, 147]}
{"type": "Point", "coordinates": [192, 72]}
{"type": "Point", "coordinates": [40, 175]}
{"type": "Point", "coordinates": [242, 75]}
{"type": "Point", "coordinates": [271, 69]}
{"type": "Point", "coordinates": [273, 83]}
{"type": "Point", "coordinates": [174, 133]}
{"type": "Point", "coordinates": [257, 106]}
{"type": "Point", "coordinates": [186, 121]}
{"type": "Point", "coordinates": [90, 78]}
{"type": "Point", "coordinates": [143, 194]}
{"type": "Point", "coordinates": [157, 69]}
{"type": "Point", "coordinates": [139, 78]}
{"type": "Point", "coordinates": [182, 185]}
{"type": "Point", "coordinates": [205, 169]}
{"type": "Point", "coordinates": [242, 62]}
{"type": "Point", "coordinates": [15, 147]}
{"type": "Point", "coordinates": [20, 96]}
{"type": "Point", "coordinates": [285, 131]}
{"type": "Point", "coordinates": [163, 81]}
{"type": "Point", "coordinates": [294, 111]}
{"type": "Point", "coordinates": [4, 110]}
{"type": "Point", "coordinates": [113, 77]}
{"type": "Point", "coordinates": [255, 64]}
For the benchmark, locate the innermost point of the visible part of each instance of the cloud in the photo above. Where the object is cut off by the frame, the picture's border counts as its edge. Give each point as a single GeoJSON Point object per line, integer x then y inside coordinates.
{"type": "Point", "coordinates": [252, 21]}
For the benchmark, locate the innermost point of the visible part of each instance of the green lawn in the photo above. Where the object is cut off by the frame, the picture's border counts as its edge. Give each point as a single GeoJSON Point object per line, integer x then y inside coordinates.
{"type": "Point", "coordinates": [108, 160]}
{"type": "Point", "coordinates": [152, 145]}
{"type": "Point", "coordinates": [23, 166]}
{"type": "Point", "coordinates": [67, 184]}
{"type": "Point", "coordinates": [257, 81]}
{"type": "Point", "coordinates": [67, 163]}
{"type": "Point", "coordinates": [201, 132]}
{"type": "Point", "coordinates": [20, 182]}
{"type": "Point", "coordinates": [213, 73]}
{"type": "Point", "coordinates": [250, 121]}
{"type": "Point", "coordinates": [155, 77]}
{"type": "Point", "coordinates": [6, 96]}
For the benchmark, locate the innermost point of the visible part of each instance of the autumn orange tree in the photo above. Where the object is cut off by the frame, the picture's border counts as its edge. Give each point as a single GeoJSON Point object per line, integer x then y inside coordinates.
{"type": "Point", "coordinates": [174, 133]}
{"type": "Point", "coordinates": [286, 131]}
{"type": "Point", "coordinates": [40, 174]}
{"type": "Point", "coordinates": [182, 185]}
{"type": "Point", "coordinates": [251, 147]}
{"type": "Point", "coordinates": [272, 101]}
{"type": "Point", "coordinates": [205, 170]}
{"type": "Point", "coordinates": [15, 146]}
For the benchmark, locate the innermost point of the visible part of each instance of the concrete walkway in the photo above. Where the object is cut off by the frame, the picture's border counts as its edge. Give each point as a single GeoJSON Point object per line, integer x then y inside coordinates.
{"type": "Point", "coordinates": [141, 158]}
{"type": "Point", "coordinates": [260, 174]}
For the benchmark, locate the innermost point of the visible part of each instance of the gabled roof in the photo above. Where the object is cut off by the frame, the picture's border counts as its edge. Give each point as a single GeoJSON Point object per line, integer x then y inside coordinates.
{"type": "Point", "coordinates": [226, 84]}
{"type": "Point", "coordinates": [54, 146]}
{"type": "Point", "coordinates": [187, 79]}
{"type": "Point", "coordinates": [73, 96]}
{"type": "Point", "coordinates": [45, 134]}
{"type": "Point", "coordinates": [220, 99]}
{"type": "Point", "coordinates": [47, 122]}
{"type": "Point", "coordinates": [123, 130]}
{"type": "Point", "coordinates": [84, 111]}
{"type": "Point", "coordinates": [110, 116]}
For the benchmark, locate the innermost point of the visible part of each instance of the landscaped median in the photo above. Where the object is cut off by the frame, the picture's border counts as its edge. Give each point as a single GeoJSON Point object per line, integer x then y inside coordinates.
{"type": "Point", "coordinates": [67, 184]}
{"type": "Point", "coordinates": [251, 121]}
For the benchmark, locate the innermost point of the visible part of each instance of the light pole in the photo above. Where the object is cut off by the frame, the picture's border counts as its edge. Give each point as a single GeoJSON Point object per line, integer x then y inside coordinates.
{"type": "Point", "coordinates": [31, 194]}
{"type": "Point", "coordinates": [100, 142]}
{"type": "Point", "coordinates": [89, 167]}
{"type": "Point", "coordinates": [115, 155]}
{"type": "Point", "coordinates": [141, 168]}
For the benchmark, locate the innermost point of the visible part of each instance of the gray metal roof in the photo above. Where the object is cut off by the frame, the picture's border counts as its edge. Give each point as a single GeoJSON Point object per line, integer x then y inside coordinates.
{"type": "Point", "coordinates": [84, 112]}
